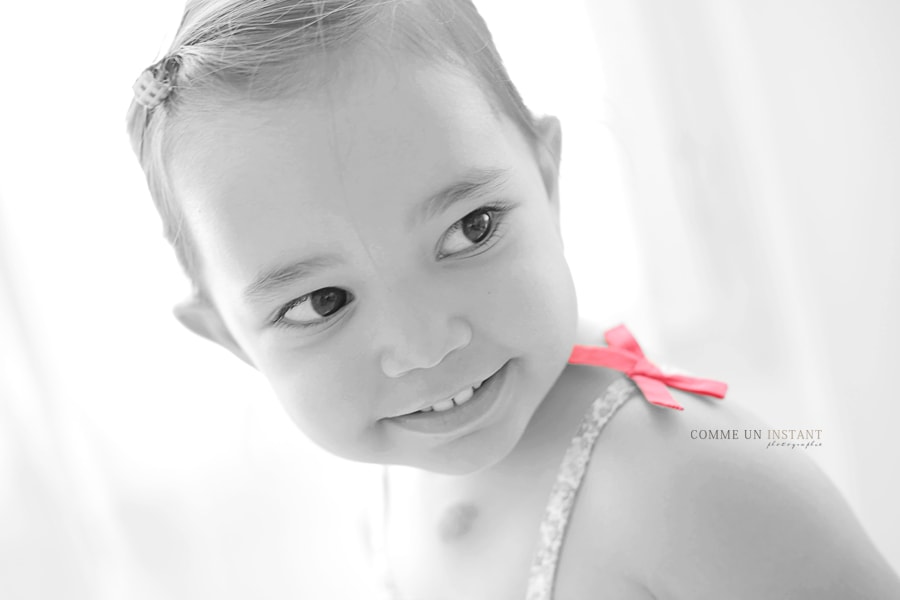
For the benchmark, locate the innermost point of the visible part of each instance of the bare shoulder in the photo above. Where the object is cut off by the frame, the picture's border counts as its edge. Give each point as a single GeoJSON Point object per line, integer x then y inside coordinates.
{"type": "Point", "coordinates": [687, 506]}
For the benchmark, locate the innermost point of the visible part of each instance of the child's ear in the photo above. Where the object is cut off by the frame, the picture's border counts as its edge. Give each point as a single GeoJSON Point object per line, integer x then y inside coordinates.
{"type": "Point", "coordinates": [200, 316]}
{"type": "Point", "coordinates": [549, 149]}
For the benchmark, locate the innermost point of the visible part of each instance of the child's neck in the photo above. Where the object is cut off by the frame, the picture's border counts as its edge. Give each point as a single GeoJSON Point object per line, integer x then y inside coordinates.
{"type": "Point", "coordinates": [557, 418]}
{"type": "Point", "coordinates": [540, 450]}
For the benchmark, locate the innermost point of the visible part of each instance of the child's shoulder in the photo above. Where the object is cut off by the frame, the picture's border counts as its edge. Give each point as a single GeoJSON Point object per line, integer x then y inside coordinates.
{"type": "Point", "coordinates": [689, 507]}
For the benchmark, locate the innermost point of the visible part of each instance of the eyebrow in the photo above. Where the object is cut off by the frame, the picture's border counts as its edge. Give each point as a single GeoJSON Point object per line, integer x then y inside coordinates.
{"type": "Point", "coordinates": [477, 183]}
{"type": "Point", "coordinates": [269, 282]}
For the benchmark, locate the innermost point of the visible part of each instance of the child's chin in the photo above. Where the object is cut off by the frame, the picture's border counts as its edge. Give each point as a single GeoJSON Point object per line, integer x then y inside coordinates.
{"type": "Point", "coordinates": [468, 455]}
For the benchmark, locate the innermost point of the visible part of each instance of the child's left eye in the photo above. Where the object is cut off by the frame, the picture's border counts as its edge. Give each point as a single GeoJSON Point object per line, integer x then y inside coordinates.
{"type": "Point", "coordinates": [472, 231]}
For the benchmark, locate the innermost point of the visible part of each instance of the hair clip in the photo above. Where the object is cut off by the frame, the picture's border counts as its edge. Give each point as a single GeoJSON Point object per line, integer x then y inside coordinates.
{"type": "Point", "coordinates": [155, 83]}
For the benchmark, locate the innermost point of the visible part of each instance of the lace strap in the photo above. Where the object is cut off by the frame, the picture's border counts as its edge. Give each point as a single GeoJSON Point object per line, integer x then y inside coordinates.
{"type": "Point", "coordinates": [562, 497]}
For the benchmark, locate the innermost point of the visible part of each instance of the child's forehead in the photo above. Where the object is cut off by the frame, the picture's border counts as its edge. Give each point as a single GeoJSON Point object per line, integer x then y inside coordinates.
{"type": "Point", "coordinates": [388, 139]}
{"type": "Point", "coordinates": [397, 115]}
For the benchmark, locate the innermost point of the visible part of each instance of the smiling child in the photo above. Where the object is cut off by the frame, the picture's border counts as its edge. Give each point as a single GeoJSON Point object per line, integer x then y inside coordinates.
{"type": "Point", "coordinates": [370, 217]}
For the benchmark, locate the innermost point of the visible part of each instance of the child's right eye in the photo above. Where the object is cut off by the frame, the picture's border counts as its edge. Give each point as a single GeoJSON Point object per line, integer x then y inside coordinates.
{"type": "Point", "coordinates": [314, 308]}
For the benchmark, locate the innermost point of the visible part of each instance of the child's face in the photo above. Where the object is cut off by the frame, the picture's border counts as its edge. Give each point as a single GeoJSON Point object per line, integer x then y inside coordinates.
{"type": "Point", "coordinates": [377, 248]}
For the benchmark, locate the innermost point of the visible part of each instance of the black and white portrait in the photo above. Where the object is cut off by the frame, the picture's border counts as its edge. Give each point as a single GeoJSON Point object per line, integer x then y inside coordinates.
{"type": "Point", "coordinates": [449, 299]}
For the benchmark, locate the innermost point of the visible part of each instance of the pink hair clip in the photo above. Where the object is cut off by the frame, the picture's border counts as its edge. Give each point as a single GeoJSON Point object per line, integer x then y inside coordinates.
{"type": "Point", "coordinates": [155, 83]}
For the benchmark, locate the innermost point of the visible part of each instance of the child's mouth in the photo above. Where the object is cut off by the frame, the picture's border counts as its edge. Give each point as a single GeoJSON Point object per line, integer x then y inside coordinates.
{"type": "Point", "coordinates": [452, 415]}
{"type": "Point", "coordinates": [458, 399]}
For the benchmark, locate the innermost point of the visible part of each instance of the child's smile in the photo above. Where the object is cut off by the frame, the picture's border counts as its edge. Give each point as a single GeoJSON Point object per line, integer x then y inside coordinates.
{"type": "Point", "coordinates": [378, 249]}
{"type": "Point", "coordinates": [459, 413]}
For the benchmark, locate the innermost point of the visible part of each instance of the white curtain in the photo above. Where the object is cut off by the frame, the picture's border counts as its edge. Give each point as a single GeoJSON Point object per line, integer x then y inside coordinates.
{"type": "Point", "coordinates": [729, 187]}
{"type": "Point", "coordinates": [762, 144]}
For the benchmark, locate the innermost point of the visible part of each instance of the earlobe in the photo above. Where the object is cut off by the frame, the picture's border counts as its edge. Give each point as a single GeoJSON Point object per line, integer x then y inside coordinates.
{"type": "Point", "coordinates": [201, 317]}
{"type": "Point", "coordinates": [549, 149]}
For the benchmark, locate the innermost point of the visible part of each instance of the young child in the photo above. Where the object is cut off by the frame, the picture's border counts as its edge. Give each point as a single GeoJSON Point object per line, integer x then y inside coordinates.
{"type": "Point", "coordinates": [370, 216]}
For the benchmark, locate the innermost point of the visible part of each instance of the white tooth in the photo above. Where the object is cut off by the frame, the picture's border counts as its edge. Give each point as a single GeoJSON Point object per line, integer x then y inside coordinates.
{"type": "Point", "coordinates": [429, 409]}
{"type": "Point", "coordinates": [477, 385]}
{"type": "Point", "coordinates": [443, 405]}
{"type": "Point", "coordinates": [463, 397]}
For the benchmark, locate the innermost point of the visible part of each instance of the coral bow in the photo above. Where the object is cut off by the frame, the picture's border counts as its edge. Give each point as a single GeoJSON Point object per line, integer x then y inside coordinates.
{"type": "Point", "coordinates": [624, 354]}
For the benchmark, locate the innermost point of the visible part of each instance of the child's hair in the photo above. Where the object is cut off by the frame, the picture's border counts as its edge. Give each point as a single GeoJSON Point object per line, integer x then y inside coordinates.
{"type": "Point", "coordinates": [235, 50]}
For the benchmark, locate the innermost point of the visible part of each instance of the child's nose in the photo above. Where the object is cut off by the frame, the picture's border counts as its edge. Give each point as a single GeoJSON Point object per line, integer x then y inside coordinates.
{"type": "Point", "coordinates": [417, 339]}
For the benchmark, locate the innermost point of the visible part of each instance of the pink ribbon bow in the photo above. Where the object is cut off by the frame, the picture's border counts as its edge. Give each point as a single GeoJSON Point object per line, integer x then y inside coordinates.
{"type": "Point", "coordinates": [624, 354]}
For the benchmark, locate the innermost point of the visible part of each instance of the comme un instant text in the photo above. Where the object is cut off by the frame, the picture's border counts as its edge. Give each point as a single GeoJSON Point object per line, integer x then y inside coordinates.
{"type": "Point", "coordinates": [757, 434]}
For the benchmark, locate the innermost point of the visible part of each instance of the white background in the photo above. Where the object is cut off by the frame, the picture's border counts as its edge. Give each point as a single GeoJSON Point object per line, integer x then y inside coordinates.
{"type": "Point", "coordinates": [730, 190]}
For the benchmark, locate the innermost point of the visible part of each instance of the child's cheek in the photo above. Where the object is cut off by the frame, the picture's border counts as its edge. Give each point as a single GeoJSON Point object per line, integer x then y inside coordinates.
{"type": "Point", "coordinates": [539, 292]}
{"type": "Point", "coordinates": [327, 403]}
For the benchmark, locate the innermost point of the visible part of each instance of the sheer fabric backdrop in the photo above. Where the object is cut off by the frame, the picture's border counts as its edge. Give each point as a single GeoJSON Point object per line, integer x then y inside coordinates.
{"type": "Point", "coordinates": [762, 142]}
{"type": "Point", "coordinates": [729, 190]}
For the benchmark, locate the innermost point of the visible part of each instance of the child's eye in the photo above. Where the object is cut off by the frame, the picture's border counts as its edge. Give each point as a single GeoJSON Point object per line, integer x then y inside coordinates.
{"type": "Point", "coordinates": [474, 230]}
{"type": "Point", "coordinates": [314, 308]}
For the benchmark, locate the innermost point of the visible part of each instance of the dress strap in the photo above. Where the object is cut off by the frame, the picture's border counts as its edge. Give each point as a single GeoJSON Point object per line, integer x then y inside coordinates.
{"type": "Point", "coordinates": [562, 497]}
{"type": "Point", "coordinates": [622, 354]}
